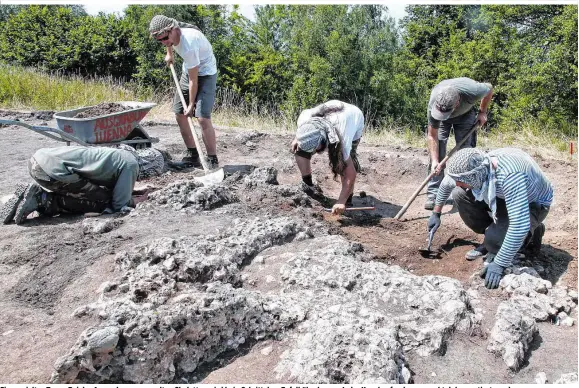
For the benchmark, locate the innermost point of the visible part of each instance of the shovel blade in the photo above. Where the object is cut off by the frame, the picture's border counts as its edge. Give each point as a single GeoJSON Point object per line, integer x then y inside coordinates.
{"type": "Point", "coordinates": [213, 178]}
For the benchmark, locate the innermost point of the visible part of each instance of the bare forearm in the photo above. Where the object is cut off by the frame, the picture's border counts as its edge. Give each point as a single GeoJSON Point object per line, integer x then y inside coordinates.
{"type": "Point", "coordinates": [433, 143]}
{"type": "Point", "coordinates": [485, 102]}
{"type": "Point", "coordinates": [348, 180]}
{"type": "Point", "coordinates": [193, 86]}
{"type": "Point", "coordinates": [347, 189]}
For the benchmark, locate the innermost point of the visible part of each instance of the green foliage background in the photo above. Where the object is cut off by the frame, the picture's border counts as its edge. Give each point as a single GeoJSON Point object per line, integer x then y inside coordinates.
{"type": "Point", "coordinates": [295, 56]}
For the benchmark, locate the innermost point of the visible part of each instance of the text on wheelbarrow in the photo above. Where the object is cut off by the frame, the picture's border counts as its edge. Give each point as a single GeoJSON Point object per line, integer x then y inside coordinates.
{"type": "Point", "coordinates": [108, 129]}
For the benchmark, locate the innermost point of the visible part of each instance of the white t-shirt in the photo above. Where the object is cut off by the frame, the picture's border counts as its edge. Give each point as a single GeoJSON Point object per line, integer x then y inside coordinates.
{"type": "Point", "coordinates": [196, 50]}
{"type": "Point", "coordinates": [349, 123]}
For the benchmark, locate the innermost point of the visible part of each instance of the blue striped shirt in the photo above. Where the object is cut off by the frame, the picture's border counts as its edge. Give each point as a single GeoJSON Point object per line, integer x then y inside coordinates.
{"type": "Point", "coordinates": [520, 182]}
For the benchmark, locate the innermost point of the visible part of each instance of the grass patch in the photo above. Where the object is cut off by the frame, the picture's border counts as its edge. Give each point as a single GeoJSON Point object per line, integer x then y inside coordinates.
{"type": "Point", "coordinates": [30, 89]}
{"type": "Point", "coordinates": [23, 88]}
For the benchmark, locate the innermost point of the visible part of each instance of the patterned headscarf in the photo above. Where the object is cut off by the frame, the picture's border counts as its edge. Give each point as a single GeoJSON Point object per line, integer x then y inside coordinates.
{"type": "Point", "coordinates": [315, 131]}
{"type": "Point", "coordinates": [151, 161]}
{"type": "Point", "coordinates": [161, 24]}
{"type": "Point", "coordinates": [474, 168]}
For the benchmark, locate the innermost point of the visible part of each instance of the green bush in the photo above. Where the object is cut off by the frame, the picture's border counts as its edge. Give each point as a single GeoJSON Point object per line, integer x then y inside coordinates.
{"type": "Point", "coordinates": [296, 56]}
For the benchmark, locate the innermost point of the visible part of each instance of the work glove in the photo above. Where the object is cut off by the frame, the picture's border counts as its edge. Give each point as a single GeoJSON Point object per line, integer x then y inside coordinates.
{"type": "Point", "coordinates": [492, 274]}
{"type": "Point", "coordinates": [433, 222]}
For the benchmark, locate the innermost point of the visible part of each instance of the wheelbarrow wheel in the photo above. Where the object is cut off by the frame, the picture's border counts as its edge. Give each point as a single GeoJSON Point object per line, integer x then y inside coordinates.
{"type": "Point", "coordinates": [140, 146]}
{"type": "Point", "coordinates": [138, 134]}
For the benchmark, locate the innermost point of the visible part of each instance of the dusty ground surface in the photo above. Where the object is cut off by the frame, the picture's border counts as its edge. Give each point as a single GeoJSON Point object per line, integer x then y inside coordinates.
{"type": "Point", "coordinates": [50, 267]}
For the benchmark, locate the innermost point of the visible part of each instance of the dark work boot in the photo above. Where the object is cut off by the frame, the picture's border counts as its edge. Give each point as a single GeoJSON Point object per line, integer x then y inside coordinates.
{"type": "Point", "coordinates": [31, 201]}
{"type": "Point", "coordinates": [212, 162]}
{"type": "Point", "coordinates": [8, 210]}
{"type": "Point", "coordinates": [429, 204]}
{"type": "Point", "coordinates": [191, 159]}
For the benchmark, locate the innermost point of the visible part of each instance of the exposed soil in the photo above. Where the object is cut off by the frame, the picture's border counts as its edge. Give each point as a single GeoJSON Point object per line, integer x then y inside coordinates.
{"type": "Point", "coordinates": [103, 109]}
{"type": "Point", "coordinates": [50, 267]}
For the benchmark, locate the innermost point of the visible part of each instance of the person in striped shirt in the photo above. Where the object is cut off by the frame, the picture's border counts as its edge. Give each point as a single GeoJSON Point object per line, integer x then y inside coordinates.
{"type": "Point", "coordinates": [502, 194]}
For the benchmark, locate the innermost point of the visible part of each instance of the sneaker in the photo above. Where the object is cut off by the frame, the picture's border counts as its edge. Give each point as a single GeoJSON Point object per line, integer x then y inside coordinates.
{"type": "Point", "coordinates": [314, 190]}
{"type": "Point", "coordinates": [30, 202]}
{"type": "Point", "coordinates": [476, 253]}
{"type": "Point", "coordinates": [9, 208]}
{"type": "Point", "coordinates": [534, 246]}
{"type": "Point", "coordinates": [429, 204]}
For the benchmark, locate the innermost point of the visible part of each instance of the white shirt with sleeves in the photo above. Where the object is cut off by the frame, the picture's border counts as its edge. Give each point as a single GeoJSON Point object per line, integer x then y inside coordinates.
{"type": "Point", "coordinates": [349, 123]}
{"type": "Point", "coordinates": [196, 50]}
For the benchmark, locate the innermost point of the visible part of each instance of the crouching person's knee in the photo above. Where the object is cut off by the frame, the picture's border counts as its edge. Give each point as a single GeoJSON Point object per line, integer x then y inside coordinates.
{"type": "Point", "coordinates": [494, 236]}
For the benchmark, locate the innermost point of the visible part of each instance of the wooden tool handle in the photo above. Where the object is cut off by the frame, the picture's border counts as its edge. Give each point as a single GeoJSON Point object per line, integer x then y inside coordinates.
{"type": "Point", "coordinates": [193, 132]}
{"type": "Point", "coordinates": [355, 208]}
{"type": "Point", "coordinates": [442, 163]}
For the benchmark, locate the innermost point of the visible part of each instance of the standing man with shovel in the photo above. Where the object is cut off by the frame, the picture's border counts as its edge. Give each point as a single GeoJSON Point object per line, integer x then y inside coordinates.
{"type": "Point", "coordinates": [451, 106]}
{"type": "Point", "coordinates": [198, 83]}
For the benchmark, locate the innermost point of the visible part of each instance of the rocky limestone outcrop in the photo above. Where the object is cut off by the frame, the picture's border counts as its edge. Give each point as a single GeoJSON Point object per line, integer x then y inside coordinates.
{"type": "Point", "coordinates": [532, 299]}
{"type": "Point", "coordinates": [176, 307]}
{"type": "Point", "coordinates": [182, 303]}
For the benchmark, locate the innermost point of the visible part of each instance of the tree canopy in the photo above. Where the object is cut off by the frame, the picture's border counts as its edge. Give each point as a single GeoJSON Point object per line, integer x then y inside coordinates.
{"type": "Point", "coordinates": [295, 56]}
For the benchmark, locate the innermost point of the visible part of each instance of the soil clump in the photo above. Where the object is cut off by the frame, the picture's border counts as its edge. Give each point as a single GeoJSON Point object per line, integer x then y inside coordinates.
{"type": "Point", "coordinates": [103, 109]}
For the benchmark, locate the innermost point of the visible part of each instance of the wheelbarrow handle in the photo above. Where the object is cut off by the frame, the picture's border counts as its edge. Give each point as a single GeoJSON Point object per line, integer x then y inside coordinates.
{"type": "Point", "coordinates": [442, 163]}
{"type": "Point", "coordinates": [46, 131]}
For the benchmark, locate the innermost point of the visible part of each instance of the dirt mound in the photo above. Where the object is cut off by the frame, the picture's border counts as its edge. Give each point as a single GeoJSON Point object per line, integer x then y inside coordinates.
{"type": "Point", "coordinates": [43, 115]}
{"type": "Point", "coordinates": [106, 108]}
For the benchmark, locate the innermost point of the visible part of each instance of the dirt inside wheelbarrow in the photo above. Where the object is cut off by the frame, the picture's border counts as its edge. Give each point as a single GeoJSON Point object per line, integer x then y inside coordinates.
{"type": "Point", "coordinates": [252, 282]}
{"type": "Point", "coordinates": [103, 109]}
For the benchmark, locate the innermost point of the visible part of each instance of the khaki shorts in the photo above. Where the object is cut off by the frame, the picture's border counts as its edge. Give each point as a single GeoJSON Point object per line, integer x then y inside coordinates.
{"type": "Point", "coordinates": [206, 88]}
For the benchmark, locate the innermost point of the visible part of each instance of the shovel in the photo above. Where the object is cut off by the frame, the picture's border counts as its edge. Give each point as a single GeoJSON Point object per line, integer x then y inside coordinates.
{"type": "Point", "coordinates": [210, 178]}
{"type": "Point", "coordinates": [427, 253]}
{"type": "Point", "coordinates": [441, 163]}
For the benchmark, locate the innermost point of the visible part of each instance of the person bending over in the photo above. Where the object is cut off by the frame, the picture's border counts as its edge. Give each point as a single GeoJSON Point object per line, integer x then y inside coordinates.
{"type": "Point", "coordinates": [337, 127]}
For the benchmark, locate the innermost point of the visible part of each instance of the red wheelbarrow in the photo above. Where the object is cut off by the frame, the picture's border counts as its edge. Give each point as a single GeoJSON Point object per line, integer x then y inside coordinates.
{"type": "Point", "coordinates": [106, 130]}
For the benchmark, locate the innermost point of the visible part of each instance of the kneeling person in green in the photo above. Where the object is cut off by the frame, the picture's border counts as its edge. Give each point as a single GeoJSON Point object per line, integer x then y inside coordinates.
{"type": "Point", "coordinates": [76, 179]}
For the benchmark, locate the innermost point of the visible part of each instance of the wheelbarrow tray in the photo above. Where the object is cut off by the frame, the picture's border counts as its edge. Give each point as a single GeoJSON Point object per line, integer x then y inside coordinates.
{"type": "Point", "coordinates": [105, 129]}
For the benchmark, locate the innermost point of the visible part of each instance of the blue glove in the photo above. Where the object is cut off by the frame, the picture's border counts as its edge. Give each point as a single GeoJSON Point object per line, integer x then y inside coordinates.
{"type": "Point", "coordinates": [493, 274]}
{"type": "Point", "coordinates": [433, 222]}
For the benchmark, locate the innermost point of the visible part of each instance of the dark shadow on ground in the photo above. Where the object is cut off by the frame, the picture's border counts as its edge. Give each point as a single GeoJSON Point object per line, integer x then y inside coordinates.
{"type": "Point", "coordinates": [555, 260]}
{"type": "Point", "coordinates": [368, 217]}
{"type": "Point", "coordinates": [225, 358]}
{"type": "Point", "coordinates": [534, 345]}
{"type": "Point", "coordinates": [452, 243]}
{"type": "Point", "coordinates": [63, 218]}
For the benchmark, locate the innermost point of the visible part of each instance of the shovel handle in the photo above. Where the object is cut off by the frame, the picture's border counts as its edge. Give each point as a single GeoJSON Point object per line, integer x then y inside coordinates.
{"type": "Point", "coordinates": [442, 163]}
{"type": "Point", "coordinates": [355, 208]}
{"type": "Point", "coordinates": [193, 132]}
